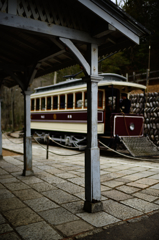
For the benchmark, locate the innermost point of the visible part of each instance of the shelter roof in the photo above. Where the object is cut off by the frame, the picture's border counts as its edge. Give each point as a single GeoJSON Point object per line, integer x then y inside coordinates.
{"type": "Point", "coordinates": [31, 32]}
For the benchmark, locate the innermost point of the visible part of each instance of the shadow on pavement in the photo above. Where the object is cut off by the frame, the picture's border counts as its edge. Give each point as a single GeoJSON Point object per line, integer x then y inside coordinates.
{"type": "Point", "coordinates": [145, 229]}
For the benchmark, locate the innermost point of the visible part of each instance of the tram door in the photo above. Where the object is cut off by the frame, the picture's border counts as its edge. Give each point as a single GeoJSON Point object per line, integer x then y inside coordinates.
{"type": "Point", "coordinates": [112, 99]}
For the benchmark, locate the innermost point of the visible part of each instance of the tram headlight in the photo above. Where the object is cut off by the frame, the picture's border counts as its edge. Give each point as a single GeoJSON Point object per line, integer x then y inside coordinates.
{"type": "Point", "coordinates": [132, 126]}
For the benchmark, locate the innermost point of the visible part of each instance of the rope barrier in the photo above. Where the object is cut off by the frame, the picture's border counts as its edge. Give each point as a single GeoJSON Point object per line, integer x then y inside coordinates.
{"type": "Point", "coordinates": [135, 158]}
{"type": "Point", "coordinates": [57, 153]}
{"type": "Point", "coordinates": [10, 140]}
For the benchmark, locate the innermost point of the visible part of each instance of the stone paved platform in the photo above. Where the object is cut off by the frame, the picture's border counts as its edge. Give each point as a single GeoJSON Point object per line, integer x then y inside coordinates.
{"type": "Point", "coordinates": [49, 205]}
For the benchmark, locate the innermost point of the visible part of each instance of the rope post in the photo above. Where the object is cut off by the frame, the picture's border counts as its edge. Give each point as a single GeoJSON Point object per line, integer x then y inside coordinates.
{"type": "Point", "coordinates": [46, 139]}
{"type": "Point", "coordinates": [47, 149]}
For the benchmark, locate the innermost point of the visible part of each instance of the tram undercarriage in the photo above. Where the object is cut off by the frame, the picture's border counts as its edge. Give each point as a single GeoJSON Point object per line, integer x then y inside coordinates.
{"type": "Point", "coordinates": [136, 146]}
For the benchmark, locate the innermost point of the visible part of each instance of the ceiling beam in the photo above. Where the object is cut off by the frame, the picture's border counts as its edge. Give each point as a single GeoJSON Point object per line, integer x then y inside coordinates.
{"type": "Point", "coordinates": [102, 30]}
{"type": "Point", "coordinates": [15, 78]}
{"type": "Point", "coordinates": [55, 67]}
{"type": "Point", "coordinates": [56, 59]}
{"type": "Point", "coordinates": [52, 56]}
{"type": "Point", "coordinates": [43, 28]}
{"type": "Point", "coordinates": [112, 40]}
{"type": "Point", "coordinates": [57, 43]}
{"type": "Point", "coordinates": [13, 67]}
{"type": "Point", "coordinates": [11, 47]}
{"type": "Point", "coordinates": [112, 20]}
{"type": "Point", "coordinates": [11, 56]}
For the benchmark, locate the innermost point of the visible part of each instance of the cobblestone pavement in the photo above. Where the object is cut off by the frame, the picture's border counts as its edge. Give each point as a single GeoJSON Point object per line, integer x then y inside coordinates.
{"type": "Point", "coordinates": [49, 205]}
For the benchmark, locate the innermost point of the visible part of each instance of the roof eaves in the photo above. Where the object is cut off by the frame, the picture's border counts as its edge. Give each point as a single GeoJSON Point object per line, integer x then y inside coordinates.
{"type": "Point", "coordinates": [120, 15]}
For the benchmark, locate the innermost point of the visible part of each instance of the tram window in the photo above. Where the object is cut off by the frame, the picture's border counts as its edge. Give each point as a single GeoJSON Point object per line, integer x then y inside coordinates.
{"type": "Point", "coordinates": [110, 103]}
{"type": "Point", "coordinates": [70, 100]}
{"type": "Point", "coordinates": [37, 104]}
{"type": "Point", "coordinates": [48, 103]}
{"type": "Point", "coordinates": [62, 101]}
{"type": "Point", "coordinates": [43, 104]}
{"type": "Point", "coordinates": [78, 100]}
{"type": "Point", "coordinates": [85, 99]}
{"type": "Point", "coordinates": [100, 99]}
{"type": "Point", "coordinates": [32, 104]}
{"type": "Point", "coordinates": [55, 102]}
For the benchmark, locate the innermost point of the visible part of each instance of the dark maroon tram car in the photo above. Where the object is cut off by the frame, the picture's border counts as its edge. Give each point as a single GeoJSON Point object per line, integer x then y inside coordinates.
{"type": "Point", "coordinates": [61, 110]}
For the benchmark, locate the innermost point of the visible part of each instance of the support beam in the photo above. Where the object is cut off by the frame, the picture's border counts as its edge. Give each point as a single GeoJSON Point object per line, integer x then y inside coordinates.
{"type": "Point", "coordinates": [77, 54]}
{"type": "Point", "coordinates": [92, 159]}
{"type": "Point", "coordinates": [1, 156]}
{"type": "Point", "coordinates": [43, 28]}
{"type": "Point", "coordinates": [33, 73]}
{"type": "Point", "coordinates": [27, 136]}
{"type": "Point", "coordinates": [15, 77]}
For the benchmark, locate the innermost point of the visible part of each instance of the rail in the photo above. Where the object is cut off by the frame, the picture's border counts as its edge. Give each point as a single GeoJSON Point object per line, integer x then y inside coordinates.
{"type": "Point", "coordinates": [11, 140]}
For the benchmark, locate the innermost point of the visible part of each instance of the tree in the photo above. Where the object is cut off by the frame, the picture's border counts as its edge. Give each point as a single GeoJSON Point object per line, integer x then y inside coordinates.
{"type": "Point", "coordinates": [117, 63]}
{"type": "Point", "coordinates": [145, 12]}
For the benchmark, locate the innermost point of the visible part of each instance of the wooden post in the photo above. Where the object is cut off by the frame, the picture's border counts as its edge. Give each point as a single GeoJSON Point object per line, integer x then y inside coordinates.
{"type": "Point", "coordinates": [27, 136]}
{"type": "Point", "coordinates": [92, 158]}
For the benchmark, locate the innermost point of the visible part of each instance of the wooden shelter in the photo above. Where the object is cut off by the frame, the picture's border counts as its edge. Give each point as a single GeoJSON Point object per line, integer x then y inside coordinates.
{"type": "Point", "coordinates": [39, 37]}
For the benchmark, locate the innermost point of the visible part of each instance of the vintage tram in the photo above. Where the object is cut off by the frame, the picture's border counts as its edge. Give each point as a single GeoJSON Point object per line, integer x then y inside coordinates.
{"type": "Point", "coordinates": [61, 110]}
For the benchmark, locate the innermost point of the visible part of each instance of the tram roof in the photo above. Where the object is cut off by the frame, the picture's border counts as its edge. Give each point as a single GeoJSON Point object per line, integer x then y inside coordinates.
{"type": "Point", "coordinates": [79, 81]}
{"type": "Point", "coordinates": [123, 85]}
{"type": "Point", "coordinates": [109, 79]}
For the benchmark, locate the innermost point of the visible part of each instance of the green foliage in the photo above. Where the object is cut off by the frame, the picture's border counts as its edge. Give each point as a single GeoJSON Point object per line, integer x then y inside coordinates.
{"type": "Point", "coordinates": [145, 12]}
{"type": "Point", "coordinates": [115, 64]}
{"type": "Point", "coordinates": [134, 59]}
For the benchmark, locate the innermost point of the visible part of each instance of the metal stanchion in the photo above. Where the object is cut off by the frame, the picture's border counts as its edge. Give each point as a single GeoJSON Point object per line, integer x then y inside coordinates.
{"type": "Point", "coordinates": [47, 148]}
{"type": "Point", "coordinates": [46, 139]}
